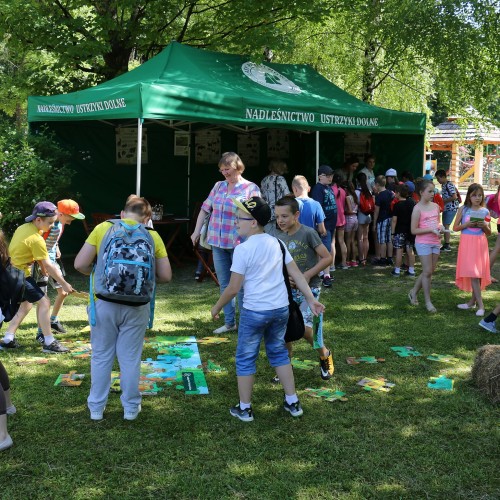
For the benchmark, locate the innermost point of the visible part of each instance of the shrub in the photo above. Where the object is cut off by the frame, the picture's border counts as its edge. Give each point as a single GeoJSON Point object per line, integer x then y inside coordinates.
{"type": "Point", "coordinates": [33, 168]}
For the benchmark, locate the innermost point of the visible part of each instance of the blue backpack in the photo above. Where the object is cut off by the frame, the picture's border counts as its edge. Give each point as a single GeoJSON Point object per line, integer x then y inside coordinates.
{"type": "Point", "coordinates": [125, 269]}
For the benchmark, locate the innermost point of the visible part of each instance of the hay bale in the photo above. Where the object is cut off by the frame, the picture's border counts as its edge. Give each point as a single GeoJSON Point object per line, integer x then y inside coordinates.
{"type": "Point", "coordinates": [486, 371]}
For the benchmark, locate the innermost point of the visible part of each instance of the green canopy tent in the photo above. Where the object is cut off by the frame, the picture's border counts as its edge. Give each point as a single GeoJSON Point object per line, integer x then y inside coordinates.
{"type": "Point", "coordinates": [183, 85]}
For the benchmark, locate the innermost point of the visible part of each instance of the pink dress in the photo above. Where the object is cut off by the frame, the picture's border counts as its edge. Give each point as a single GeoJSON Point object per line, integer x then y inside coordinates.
{"type": "Point", "coordinates": [473, 259]}
{"type": "Point", "coordinates": [340, 199]}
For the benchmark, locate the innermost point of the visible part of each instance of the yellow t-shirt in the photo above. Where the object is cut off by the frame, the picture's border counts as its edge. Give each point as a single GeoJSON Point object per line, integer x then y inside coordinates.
{"type": "Point", "coordinates": [26, 246]}
{"type": "Point", "coordinates": [96, 236]}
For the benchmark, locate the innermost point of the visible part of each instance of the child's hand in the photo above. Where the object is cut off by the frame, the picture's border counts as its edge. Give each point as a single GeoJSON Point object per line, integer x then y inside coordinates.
{"type": "Point", "coordinates": [316, 307]}
{"type": "Point", "coordinates": [215, 312]}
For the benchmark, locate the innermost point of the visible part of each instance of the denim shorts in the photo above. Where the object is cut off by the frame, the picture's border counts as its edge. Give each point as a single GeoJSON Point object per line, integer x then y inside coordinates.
{"type": "Point", "coordinates": [327, 240]}
{"type": "Point", "coordinates": [32, 292]}
{"type": "Point", "coordinates": [448, 216]}
{"type": "Point", "coordinates": [252, 328]}
{"type": "Point", "coordinates": [426, 249]}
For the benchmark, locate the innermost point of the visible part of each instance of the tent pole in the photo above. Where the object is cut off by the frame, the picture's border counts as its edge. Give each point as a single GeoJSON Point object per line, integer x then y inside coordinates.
{"type": "Point", "coordinates": [139, 157]}
{"type": "Point", "coordinates": [317, 154]}
{"type": "Point", "coordinates": [189, 172]}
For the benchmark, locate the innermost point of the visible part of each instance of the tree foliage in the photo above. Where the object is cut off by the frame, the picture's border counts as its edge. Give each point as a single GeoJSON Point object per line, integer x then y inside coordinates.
{"type": "Point", "coordinates": [33, 168]}
{"type": "Point", "coordinates": [394, 53]}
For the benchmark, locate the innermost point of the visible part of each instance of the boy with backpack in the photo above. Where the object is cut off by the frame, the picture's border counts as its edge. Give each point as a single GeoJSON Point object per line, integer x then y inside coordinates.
{"type": "Point", "coordinates": [258, 267]}
{"type": "Point", "coordinates": [311, 256]}
{"type": "Point", "coordinates": [27, 245]}
{"type": "Point", "coordinates": [451, 201]}
{"type": "Point", "coordinates": [130, 260]}
{"type": "Point", "coordinates": [67, 212]}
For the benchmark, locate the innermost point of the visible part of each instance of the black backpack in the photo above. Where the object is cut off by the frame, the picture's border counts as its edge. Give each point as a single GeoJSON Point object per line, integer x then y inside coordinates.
{"type": "Point", "coordinates": [11, 290]}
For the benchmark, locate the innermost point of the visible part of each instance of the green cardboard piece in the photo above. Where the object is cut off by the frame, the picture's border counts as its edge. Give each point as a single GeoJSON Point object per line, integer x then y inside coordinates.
{"type": "Point", "coordinates": [444, 358]}
{"type": "Point", "coordinates": [405, 351]}
{"type": "Point", "coordinates": [330, 395]}
{"type": "Point", "coordinates": [305, 364]}
{"type": "Point", "coordinates": [441, 383]}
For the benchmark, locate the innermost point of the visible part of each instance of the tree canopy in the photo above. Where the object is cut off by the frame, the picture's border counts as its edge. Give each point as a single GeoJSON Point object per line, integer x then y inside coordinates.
{"type": "Point", "coordinates": [395, 53]}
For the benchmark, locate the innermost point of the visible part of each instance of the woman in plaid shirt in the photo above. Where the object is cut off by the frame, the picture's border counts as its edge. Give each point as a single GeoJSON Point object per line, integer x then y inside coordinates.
{"type": "Point", "coordinates": [221, 232]}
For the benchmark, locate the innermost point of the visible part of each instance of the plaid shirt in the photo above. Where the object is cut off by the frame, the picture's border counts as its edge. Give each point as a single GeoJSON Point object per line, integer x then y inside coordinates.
{"type": "Point", "coordinates": [221, 228]}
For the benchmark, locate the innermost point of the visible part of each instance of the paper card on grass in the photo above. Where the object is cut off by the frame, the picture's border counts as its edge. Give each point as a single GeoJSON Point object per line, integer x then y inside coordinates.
{"type": "Point", "coordinates": [305, 364]}
{"type": "Point", "coordinates": [364, 359]}
{"type": "Point", "coordinates": [31, 361]}
{"type": "Point", "coordinates": [317, 328]}
{"type": "Point", "coordinates": [213, 340]}
{"type": "Point", "coordinates": [441, 383]}
{"type": "Point", "coordinates": [444, 358]}
{"type": "Point", "coordinates": [327, 394]}
{"type": "Point", "coordinates": [211, 367]}
{"type": "Point", "coordinates": [71, 379]}
{"type": "Point", "coordinates": [192, 382]}
{"type": "Point", "coordinates": [405, 351]}
{"type": "Point", "coordinates": [376, 384]}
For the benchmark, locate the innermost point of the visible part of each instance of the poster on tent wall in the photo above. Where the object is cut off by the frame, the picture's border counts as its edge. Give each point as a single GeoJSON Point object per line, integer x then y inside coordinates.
{"type": "Point", "coordinates": [357, 145]}
{"type": "Point", "coordinates": [207, 146]}
{"type": "Point", "coordinates": [181, 143]}
{"type": "Point", "coordinates": [126, 146]}
{"type": "Point", "coordinates": [249, 149]}
{"type": "Point", "coordinates": [278, 144]}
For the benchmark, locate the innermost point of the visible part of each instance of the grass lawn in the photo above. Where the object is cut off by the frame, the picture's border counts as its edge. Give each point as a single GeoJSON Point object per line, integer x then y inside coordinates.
{"type": "Point", "coordinates": [412, 442]}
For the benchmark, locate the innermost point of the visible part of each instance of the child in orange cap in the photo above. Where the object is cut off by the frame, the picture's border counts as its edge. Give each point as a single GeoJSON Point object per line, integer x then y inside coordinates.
{"type": "Point", "coordinates": [67, 212]}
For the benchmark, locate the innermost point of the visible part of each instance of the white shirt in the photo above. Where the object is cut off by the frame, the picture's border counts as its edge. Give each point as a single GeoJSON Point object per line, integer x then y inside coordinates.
{"type": "Point", "coordinates": [260, 261]}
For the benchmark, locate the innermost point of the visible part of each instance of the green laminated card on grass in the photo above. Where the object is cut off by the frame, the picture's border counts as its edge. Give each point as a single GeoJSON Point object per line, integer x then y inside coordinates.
{"type": "Point", "coordinates": [405, 351]}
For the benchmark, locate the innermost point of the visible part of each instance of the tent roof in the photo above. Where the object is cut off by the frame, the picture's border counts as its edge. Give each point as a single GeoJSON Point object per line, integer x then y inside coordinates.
{"type": "Point", "coordinates": [189, 84]}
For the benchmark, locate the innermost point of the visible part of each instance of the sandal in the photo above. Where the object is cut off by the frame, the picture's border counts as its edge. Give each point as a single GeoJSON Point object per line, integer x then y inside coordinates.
{"type": "Point", "coordinates": [413, 300]}
{"type": "Point", "coordinates": [431, 308]}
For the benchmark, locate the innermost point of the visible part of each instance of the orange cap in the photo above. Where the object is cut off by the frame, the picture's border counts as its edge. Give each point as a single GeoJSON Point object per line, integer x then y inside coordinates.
{"type": "Point", "coordinates": [70, 207]}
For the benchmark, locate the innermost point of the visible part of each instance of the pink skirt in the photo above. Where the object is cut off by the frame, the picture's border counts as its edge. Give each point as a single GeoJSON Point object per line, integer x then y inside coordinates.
{"type": "Point", "coordinates": [473, 261]}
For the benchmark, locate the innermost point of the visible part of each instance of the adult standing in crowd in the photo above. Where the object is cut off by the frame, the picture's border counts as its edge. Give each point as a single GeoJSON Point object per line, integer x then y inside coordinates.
{"type": "Point", "coordinates": [221, 233]}
{"type": "Point", "coordinates": [273, 188]}
{"type": "Point", "coordinates": [368, 170]}
{"type": "Point", "coordinates": [346, 173]}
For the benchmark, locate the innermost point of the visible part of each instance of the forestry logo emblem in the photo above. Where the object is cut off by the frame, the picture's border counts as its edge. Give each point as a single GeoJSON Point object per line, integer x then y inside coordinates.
{"type": "Point", "coordinates": [270, 78]}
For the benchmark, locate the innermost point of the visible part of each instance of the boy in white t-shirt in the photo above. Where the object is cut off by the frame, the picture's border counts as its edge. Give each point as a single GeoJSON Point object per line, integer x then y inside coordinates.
{"type": "Point", "coordinates": [258, 267]}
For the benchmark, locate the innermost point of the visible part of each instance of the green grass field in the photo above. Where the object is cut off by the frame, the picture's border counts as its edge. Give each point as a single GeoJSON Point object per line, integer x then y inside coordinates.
{"type": "Point", "coordinates": [412, 442]}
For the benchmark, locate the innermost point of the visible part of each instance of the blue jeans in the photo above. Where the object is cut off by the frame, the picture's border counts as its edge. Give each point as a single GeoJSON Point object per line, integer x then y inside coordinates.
{"type": "Point", "coordinates": [223, 258]}
{"type": "Point", "coordinates": [255, 325]}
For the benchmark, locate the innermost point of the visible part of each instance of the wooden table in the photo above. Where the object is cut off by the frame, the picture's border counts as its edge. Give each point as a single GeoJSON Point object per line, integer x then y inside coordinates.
{"type": "Point", "coordinates": [175, 224]}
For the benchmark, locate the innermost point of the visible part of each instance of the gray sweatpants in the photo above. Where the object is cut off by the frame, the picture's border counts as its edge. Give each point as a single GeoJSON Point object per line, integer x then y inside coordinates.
{"type": "Point", "coordinates": [119, 331]}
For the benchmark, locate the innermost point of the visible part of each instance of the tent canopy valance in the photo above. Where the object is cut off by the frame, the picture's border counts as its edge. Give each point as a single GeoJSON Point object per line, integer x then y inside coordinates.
{"type": "Point", "coordinates": [188, 84]}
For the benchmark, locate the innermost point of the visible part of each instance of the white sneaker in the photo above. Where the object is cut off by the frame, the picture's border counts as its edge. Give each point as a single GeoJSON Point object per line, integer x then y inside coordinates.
{"type": "Point", "coordinates": [224, 329]}
{"type": "Point", "coordinates": [96, 415]}
{"type": "Point", "coordinates": [6, 443]}
{"type": "Point", "coordinates": [11, 410]}
{"type": "Point", "coordinates": [480, 312]}
{"type": "Point", "coordinates": [132, 415]}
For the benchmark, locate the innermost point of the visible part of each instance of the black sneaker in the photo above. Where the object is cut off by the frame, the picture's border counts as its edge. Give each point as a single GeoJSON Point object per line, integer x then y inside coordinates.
{"type": "Point", "coordinates": [275, 380]}
{"type": "Point", "coordinates": [410, 273]}
{"type": "Point", "coordinates": [294, 409]}
{"type": "Point", "coordinates": [389, 261]}
{"type": "Point", "coordinates": [245, 415]}
{"type": "Point", "coordinates": [57, 327]}
{"type": "Point", "coordinates": [40, 338]}
{"type": "Point", "coordinates": [327, 281]}
{"type": "Point", "coordinates": [378, 262]}
{"type": "Point", "coordinates": [197, 276]}
{"type": "Point", "coordinates": [55, 348]}
{"type": "Point", "coordinates": [404, 267]}
{"type": "Point", "coordinates": [327, 367]}
{"type": "Point", "coordinates": [395, 274]}
{"type": "Point", "coordinates": [446, 248]}
{"type": "Point", "coordinates": [13, 344]}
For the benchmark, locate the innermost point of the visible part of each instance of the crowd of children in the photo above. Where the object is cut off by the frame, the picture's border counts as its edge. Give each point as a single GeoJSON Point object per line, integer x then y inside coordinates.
{"type": "Point", "coordinates": [293, 241]}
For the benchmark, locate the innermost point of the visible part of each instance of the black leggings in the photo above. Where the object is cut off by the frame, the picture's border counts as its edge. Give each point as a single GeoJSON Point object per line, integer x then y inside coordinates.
{"type": "Point", "coordinates": [4, 386]}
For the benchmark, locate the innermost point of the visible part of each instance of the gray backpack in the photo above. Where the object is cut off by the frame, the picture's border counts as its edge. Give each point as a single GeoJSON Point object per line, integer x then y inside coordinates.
{"type": "Point", "coordinates": [125, 269]}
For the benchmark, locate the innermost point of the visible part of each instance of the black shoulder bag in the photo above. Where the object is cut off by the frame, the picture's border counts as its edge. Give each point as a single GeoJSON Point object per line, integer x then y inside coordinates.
{"type": "Point", "coordinates": [295, 327]}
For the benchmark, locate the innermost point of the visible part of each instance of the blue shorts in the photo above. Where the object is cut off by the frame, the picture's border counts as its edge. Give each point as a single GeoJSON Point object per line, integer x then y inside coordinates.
{"type": "Point", "coordinates": [327, 240]}
{"type": "Point", "coordinates": [252, 328]}
{"type": "Point", "coordinates": [448, 216]}
{"type": "Point", "coordinates": [32, 292]}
